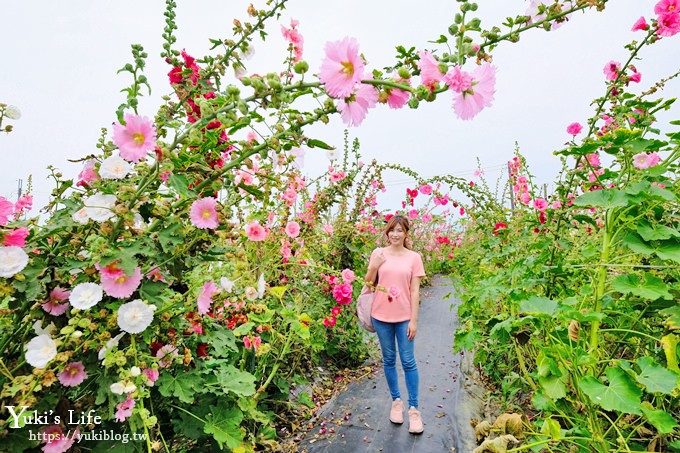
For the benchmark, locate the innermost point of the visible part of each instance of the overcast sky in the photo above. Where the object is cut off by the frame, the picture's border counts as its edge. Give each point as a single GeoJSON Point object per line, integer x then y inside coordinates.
{"type": "Point", "coordinates": [60, 61]}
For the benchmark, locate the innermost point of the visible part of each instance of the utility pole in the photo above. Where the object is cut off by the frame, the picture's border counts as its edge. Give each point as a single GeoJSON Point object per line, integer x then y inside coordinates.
{"type": "Point", "coordinates": [512, 193]}
{"type": "Point", "coordinates": [19, 188]}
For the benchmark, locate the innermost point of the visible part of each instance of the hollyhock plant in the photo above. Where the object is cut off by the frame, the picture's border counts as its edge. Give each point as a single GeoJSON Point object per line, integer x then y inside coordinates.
{"type": "Point", "coordinates": [256, 232]}
{"type": "Point", "coordinates": [151, 374]}
{"type": "Point", "coordinates": [136, 138]}
{"type": "Point", "coordinates": [540, 204]}
{"type": "Point", "coordinates": [293, 36]}
{"type": "Point", "coordinates": [348, 276]}
{"type": "Point", "coordinates": [292, 229]}
{"type": "Point", "coordinates": [88, 174]}
{"type": "Point", "coordinates": [354, 107]}
{"type": "Point", "coordinates": [574, 128]}
{"type": "Point", "coordinates": [611, 70]}
{"type": "Point", "coordinates": [40, 351]}
{"type": "Point", "coordinates": [342, 68]}
{"type": "Point", "coordinates": [667, 6]}
{"type": "Point", "coordinates": [24, 203]}
{"type": "Point", "coordinates": [646, 160]}
{"type": "Point", "coordinates": [99, 207]}
{"type": "Point", "coordinates": [205, 298]}
{"type": "Point", "coordinates": [55, 440]}
{"type": "Point", "coordinates": [425, 189]}
{"type": "Point", "coordinates": [668, 24]}
{"type": "Point", "coordinates": [54, 305]}
{"type": "Point", "coordinates": [329, 321]}
{"type": "Point", "coordinates": [16, 238]}
{"type": "Point", "coordinates": [342, 293]}
{"type": "Point", "coordinates": [430, 74]}
{"type": "Point", "coordinates": [397, 98]}
{"type": "Point", "coordinates": [6, 210]}
{"type": "Point", "coordinates": [203, 213]}
{"type": "Point", "coordinates": [226, 284]}
{"type": "Point", "coordinates": [124, 409]}
{"type": "Point", "coordinates": [470, 100]}
{"type": "Point", "coordinates": [135, 316]}
{"type": "Point", "coordinates": [86, 295]}
{"type": "Point", "coordinates": [640, 24]}
{"type": "Point", "coordinates": [121, 286]}
{"type": "Point", "coordinates": [635, 77]}
{"type": "Point", "coordinates": [72, 375]}
{"type": "Point", "coordinates": [13, 260]}
{"type": "Point", "coordinates": [114, 167]}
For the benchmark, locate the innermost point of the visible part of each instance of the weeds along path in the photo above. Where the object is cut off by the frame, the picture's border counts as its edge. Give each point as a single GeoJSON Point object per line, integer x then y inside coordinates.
{"type": "Point", "coordinates": [449, 398]}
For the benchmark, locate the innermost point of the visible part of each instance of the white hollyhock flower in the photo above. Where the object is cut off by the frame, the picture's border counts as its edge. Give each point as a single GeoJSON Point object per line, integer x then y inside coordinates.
{"type": "Point", "coordinates": [251, 293]}
{"type": "Point", "coordinates": [12, 112]}
{"type": "Point", "coordinates": [118, 388]}
{"type": "Point", "coordinates": [86, 295]}
{"type": "Point", "coordinates": [332, 154]}
{"type": "Point", "coordinates": [135, 316]}
{"type": "Point", "coordinates": [135, 371]}
{"type": "Point", "coordinates": [299, 155]}
{"type": "Point", "coordinates": [80, 216]}
{"type": "Point", "coordinates": [114, 167]}
{"type": "Point", "coordinates": [40, 351]}
{"type": "Point", "coordinates": [260, 286]}
{"type": "Point", "coordinates": [12, 261]}
{"type": "Point", "coordinates": [100, 206]}
{"type": "Point", "coordinates": [226, 284]}
{"type": "Point", "coordinates": [112, 343]}
{"type": "Point", "coordinates": [130, 387]}
{"type": "Point", "coordinates": [38, 328]}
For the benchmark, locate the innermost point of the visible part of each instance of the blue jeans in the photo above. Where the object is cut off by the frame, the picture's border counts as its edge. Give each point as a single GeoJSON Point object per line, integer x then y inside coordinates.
{"type": "Point", "coordinates": [387, 333]}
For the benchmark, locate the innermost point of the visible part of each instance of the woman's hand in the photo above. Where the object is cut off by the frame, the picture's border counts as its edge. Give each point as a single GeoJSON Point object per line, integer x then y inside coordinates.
{"type": "Point", "coordinates": [412, 329]}
{"type": "Point", "coordinates": [378, 259]}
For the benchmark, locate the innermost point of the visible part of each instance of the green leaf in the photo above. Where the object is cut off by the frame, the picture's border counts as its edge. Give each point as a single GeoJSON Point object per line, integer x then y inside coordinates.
{"type": "Point", "coordinates": [314, 143]}
{"type": "Point", "coordinates": [606, 198]}
{"type": "Point", "coordinates": [171, 235]}
{"type": "Point", "coordinates": [233, 380]}
{"type": "Point", "coordinates": [655, 378]}
{"type": "Point", "coordinates": [151, 291]}
{"type": "Point", "coordinates": [669, 250]}
{"type": "Point", "coordinates": [302, 330]}
{"type": "Point", "coordinates": [278, 291]}
{"type": "Point", "coordinates": [249, 408]}
{"type": "Point", "coordinates": [554, 386]}
{"type": "Point", "coordinates": [222, 340]}
{"type": "Point", "coordinates": [224, 424]}
{"type": "Point", "coordinates": [620, 395]}
{"type": "Point", "coordinates": [636, 244]}
{"type": "Point", "coordinates": [304, 398]}
{"type": "Point", "coordinates": [661, 420]}
{"type": "Point", "coordinates": [655, 232]}
{"type": "Point", "coordinates": [181, 386]}
{"type": "Point", "coordinates": [651, 288]}
{"type": "Point", "coordinates": [243, 329]}
{"type": "Point", "coordinates": [181, 185]}
{"type": "Point", "coordinates": [551, 428]}
{"type": "Point", "coordinates": [538, 305]}
{"type": "Point", "coordinates": [673, 313]}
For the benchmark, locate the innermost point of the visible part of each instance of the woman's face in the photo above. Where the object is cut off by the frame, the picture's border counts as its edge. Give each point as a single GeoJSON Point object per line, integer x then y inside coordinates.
{"type": "Point", "coordinates": [396, 235]}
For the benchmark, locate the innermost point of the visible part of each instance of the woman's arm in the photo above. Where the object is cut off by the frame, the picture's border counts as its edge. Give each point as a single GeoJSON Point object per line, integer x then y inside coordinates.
{"type": "Point", "coordinates": [373, 265]}
{"type": "Point", "coordinates": [415, 304]}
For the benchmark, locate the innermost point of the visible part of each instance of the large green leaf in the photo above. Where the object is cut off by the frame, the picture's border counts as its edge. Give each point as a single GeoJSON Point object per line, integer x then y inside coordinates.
{"type": "Point", "coordinates": [673, 313]}
{"type": "Point", "coordinates": [538, 305]}
{"type": "Point", "coordinates": [661, 420]}
{"type": "Point", "coordinates": [655, 378]}
{"type": "Point", "coordinates": [233, 380]}
{"type": "Point", "coordinates": [651, 288]}
{"type": "Point", "coordinates": [181, 386]}
{"type": "Point", "coordinates": [654, 232]}
{"type": "Point", "coordinates": [224, 424]}
{"type": "Point", "coordinates": [606, 198]}
{"type": "Point", "coordinates": [636, 244]}
{"type": "Point", "coordinates": [620, 395]}
{"type": "Point", "coordinates": [554, 386]}
{"type": "Point", "coordinates": [669, 250]}
{"type": "Point", "coordinates": [222, 341]}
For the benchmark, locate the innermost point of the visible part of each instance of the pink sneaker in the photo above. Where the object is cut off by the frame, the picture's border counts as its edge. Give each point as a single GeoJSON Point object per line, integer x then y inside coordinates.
{"type": "Point", "coordinates": [415, 422]}
{"type": "Point", "coordinates": [397, 412]}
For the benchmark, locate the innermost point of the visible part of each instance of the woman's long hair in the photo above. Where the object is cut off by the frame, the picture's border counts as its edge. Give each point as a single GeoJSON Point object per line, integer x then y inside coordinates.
{"type": "Point", "coordinates": [402, 221]}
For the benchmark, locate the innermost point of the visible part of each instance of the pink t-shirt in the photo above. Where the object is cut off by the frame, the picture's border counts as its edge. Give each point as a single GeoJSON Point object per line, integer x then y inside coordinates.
{"type": "Point", "coordinates": [392, 301]}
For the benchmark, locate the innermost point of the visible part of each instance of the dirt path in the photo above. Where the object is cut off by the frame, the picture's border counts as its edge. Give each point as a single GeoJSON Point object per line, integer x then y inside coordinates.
{"type": "Point", "coordinates": [356, 420]}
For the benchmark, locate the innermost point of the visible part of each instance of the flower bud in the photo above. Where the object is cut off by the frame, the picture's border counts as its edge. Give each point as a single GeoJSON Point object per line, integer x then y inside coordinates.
{"type": "Point", "coordinates": [301, 67]}
{"type": "Point", "coordinates": [77, 334]}
{"type": "Point", "coordinates": [404, 72]}
{"type": "Point", "coordinates": [246, 81]}
{"type": "Point", "coordinates": [83, 323]}
{"type": "Point", "coordinates": [413, 102]}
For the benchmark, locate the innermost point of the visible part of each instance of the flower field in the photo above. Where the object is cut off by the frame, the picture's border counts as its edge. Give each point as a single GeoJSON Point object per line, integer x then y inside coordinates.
{"type": "Point", "coordinates": [180, 291]}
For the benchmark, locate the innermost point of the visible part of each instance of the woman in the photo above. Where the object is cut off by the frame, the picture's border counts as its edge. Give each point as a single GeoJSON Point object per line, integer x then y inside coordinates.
{"type": "Point", "coordinates": [395, 314]}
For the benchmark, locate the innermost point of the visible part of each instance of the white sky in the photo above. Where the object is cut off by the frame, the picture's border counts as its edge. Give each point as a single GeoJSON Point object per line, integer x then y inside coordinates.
{"type": "Point", "coordinates": [60, 61]}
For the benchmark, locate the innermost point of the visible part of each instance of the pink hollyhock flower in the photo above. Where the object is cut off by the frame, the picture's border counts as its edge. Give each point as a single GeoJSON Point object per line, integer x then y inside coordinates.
{"type": "Point", "coordinates": [498, 227]}
{"type": "Point", "coordinates": [6, 210]}
{"type": "Point", "coordinates": [72, 375]}
{"type": "Point", "coordinates": [256, 232]}
{"type": "Point", "coordinates": [335, 311]}
{"type": "Point", "coordinates": [257, 341]}
{"type": "Point", "coordinates": [151, 374]}
{"type": "Point", "coordinates": [635, 77]}
{"type": "Point", "coordinates": [328, 229]}
{"type": "Point", "coordinates": [611, 70]}
{"type": "Point", "coordinates": [205, 298]}
{"type": "Point", "coordinates": [540, 204]}
{"type": "Point", "coordinates": [667, 6]}
{"type": "Point", "coordinates": [342, 293]}
{"type": "Point", "coordinates": [413, 214]}
{"type": "Point", "coordinates": [644, 160]}
{"type": "Point", "coordinates": [55, 440]}
{"type": "Point", "coordinates": [203, 213]}
{"type": "Point", "coordinates": [430, 74]}
{"type": "Point", "coordinates": [593, 159]}
{"type": "Point", "coordinates": [123, 285]}
{"type": "Point", "coordinates": [247, 343]}
{"type": "Point", "coordinates": [24, 203]}
{"type": "Point", "coordinates": [470, 102]}
{"type": "Point", "coordinates": [294, 37]}
{"type": "Point", "coordinates": [668, 24]}
{"type": "Point", "coordinates": [342, 68]}
{"type": "Point", "coordinates": [88, 174]}
{"type": "Point", "coordinates": [329, 321]}
{"type": "Point", "coordinates": [426, 218]}
{"type": "Point", "coordinates": [425, 189]}
{"type": "Point", "coordinates": [574, 129]}
{"type": "Point", "coordinates": [525, 198]}
{"type": "Point", "coordinates": [136, 138]}
{"type": "Point", "coordinates": [15, 237]}
{"type": "Point", "coordinates": [354, 107]}
{"type": "Point", "coordinates": [640, 24]}
{"type": "Point", "coordinates": [167, 350]}
{"type": "Point", "coordinates": [53, 306]}
{"type": "Point", "coordinates": [293, 229]}
{"type": "Point", "coordinates": [124, 409]}
{"type": "Point", "coordinates": [348, 276]}
{"type": "Point", "coordinates": [458, 81]}
{"type": "Point", "coordinates": [397, 98]}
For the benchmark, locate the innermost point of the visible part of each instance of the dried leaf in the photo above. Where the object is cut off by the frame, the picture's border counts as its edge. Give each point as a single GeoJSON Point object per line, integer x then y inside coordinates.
{"type": "Point", "coordinates": [482, 430]}
{"type": "Point", "coordinates": [497, 445]}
